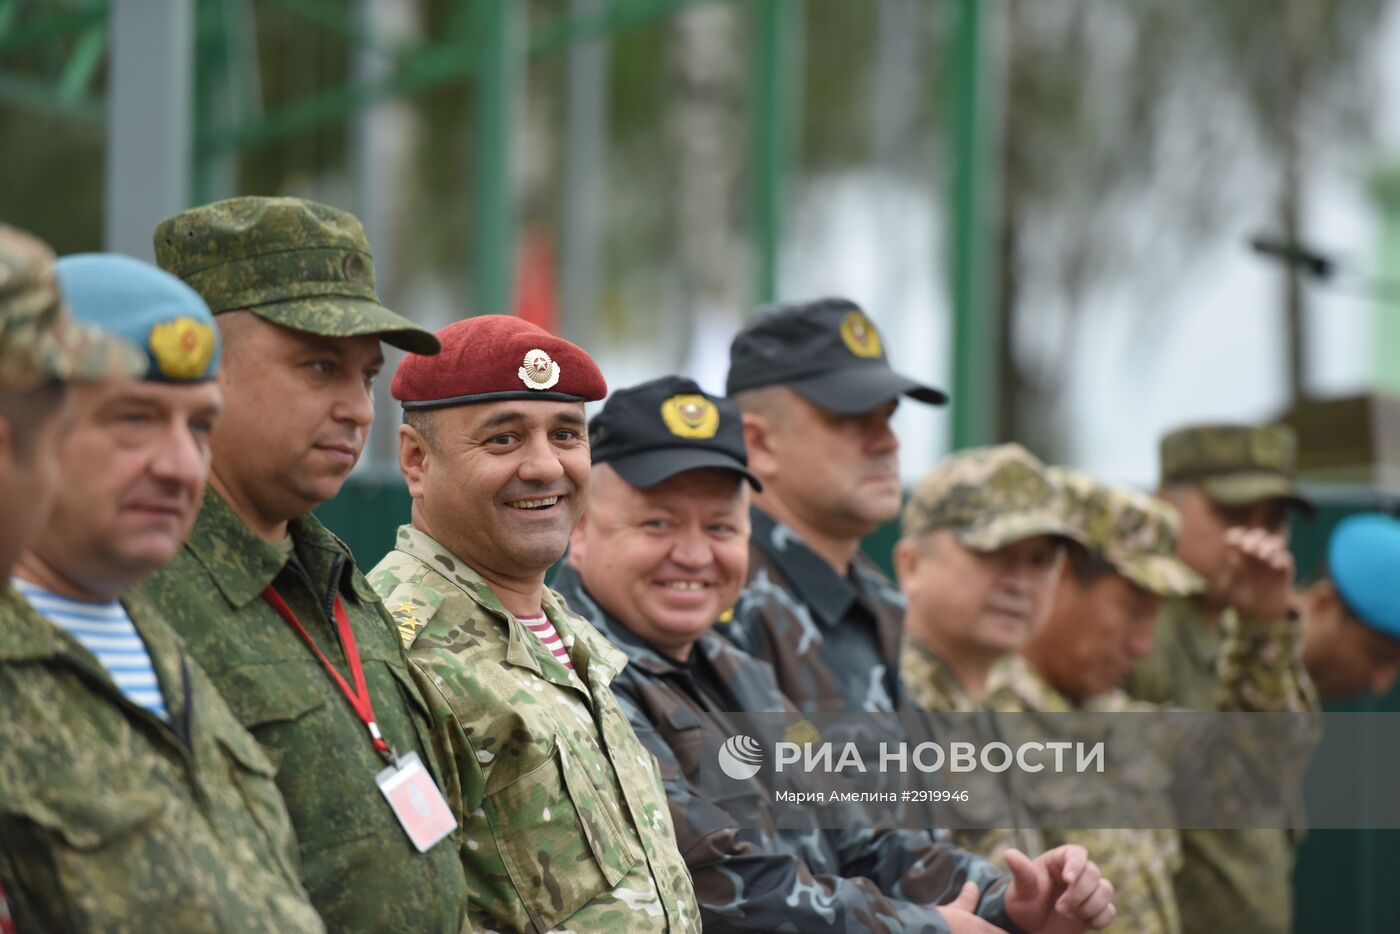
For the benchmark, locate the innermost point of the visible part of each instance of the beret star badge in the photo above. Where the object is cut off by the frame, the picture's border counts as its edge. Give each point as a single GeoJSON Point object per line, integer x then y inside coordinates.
{"type": "Point", "coordinates": [690, 416]}
{"type": "Point", "coordinates": [539, 371]}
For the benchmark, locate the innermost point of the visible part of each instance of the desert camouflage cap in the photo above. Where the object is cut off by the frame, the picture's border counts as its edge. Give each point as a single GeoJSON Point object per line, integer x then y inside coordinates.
{"type": "Point", "coordinates": [989, 497]}
{"type": "Point", "coordinates": [293, 262]}
{"type": "Point", "coordinates": [1234, 464]}
{"type": "Point", "coordinates": [39, 340]}
{"type": "Point", "coordinates": [1132, 531]}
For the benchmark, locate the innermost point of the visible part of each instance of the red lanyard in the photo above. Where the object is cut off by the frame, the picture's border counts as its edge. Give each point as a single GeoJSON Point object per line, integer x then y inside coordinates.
{"type": "Point", "coordinates": [359, 696]}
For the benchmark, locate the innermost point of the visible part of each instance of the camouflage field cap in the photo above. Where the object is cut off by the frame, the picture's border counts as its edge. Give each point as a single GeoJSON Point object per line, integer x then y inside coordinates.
{"type": "Point", "coordinates": [39, 340]}
{"type": "Point", "coordinates": [1234, 465]}
{"type": "Point", "coordinates": [1132, 531]}
{"type": "Point", "coordinates": [989, 498]}
{"type": "Point", "coordinates": [293, 262]}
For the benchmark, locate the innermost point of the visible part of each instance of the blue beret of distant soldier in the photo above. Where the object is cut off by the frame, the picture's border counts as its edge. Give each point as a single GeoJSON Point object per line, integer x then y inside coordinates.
{"type": "Point", "coordinates": [1363, 558]}
{"type": "Point", "coordinates": [148, 307]}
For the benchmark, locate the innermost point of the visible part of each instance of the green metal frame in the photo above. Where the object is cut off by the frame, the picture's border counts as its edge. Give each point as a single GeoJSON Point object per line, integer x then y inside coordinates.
{"type": "Point", "coordinates": [486, 44]}
{"type": "Point", "coordinates": [777, 30]}
{"type": "Point", "coordinates": [974, 391]}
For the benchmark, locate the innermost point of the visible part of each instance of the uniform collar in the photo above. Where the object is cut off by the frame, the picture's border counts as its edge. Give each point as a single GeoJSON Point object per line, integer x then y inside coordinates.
{"type": "Point", "coordinates": [25, 635]}
{"type": "Point", "coordinates": [602, 660]}
{"type": "Point", "coordinates": [242, 564]}
{"type": "Point", "coordinates": [931, 681]}
{"type": "Point", "coordinates": [1014, 676]}
{"type": "Point", "coordinates": [816, 583]}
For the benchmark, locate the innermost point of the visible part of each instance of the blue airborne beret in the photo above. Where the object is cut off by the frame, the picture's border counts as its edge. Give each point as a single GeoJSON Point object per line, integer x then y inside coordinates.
{"type": "Point", "coordinates": [1364, 560]}
{"type": "Point", "coordinates": [149, 307]}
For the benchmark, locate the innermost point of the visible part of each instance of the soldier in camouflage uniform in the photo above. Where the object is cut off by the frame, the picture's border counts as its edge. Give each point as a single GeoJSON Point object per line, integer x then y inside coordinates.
{"type": "Point", "coordinates": [291, 284]}
{"type": "Point", "coordinates": [817, 393]}
{"type": "Point", "coordinates": [1106, 601]}
{"type": "Point", "coordinates": [130, 797]}
{"type": "Point", "coordinates": [1233, 487]}
{"type": "Point", "coordinates": [1102, 622]}
{"type": "Point", "coordinates": [564, 821]}
{"type": "Point", "coordinates": [983, 540]}
{"type": "Point", "coordinates": [659, 555]}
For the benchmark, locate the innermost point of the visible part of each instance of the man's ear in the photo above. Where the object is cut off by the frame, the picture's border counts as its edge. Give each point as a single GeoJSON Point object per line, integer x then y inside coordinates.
{"type": "Point", "coordinates": [758, 441]}
{"type": "Point", "coordinates": [907, 554]}
{"type": "Point", "coordinates": [414, 456]}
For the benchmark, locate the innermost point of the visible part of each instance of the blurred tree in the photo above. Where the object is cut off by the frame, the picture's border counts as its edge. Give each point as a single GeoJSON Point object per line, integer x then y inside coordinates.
{"type": "Point", "coordinates": [1299, 66]}
{"type": "Point", "coordinates": [705, 134]}
{"type": "Point", "coordinates": [1115, 114]}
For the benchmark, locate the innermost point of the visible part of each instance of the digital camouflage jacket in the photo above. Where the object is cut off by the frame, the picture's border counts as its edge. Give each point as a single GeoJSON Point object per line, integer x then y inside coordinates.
{"type": "Point", "coordinates": [357, 862]}
{"type": "Point", "coordinates": [1230, 880]}
{"type": "Point", "coordinates": [112, 819]}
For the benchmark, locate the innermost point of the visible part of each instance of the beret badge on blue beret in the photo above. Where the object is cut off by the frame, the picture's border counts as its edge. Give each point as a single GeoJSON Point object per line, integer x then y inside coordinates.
{"type": "Point", "coordinates": [182, 348]}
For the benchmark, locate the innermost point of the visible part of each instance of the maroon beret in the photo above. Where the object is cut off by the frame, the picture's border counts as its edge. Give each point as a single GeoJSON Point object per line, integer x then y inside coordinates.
{"type": "Point", "coordinates": [493, 357]}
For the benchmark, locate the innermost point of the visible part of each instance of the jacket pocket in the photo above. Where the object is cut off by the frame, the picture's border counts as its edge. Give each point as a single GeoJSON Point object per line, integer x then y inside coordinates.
{"type": "Point", "coordinates": [88, 822]}
{"type": "Point", "coordinates": [559, 843]}
{"type": "Point", "coordinates": [78, 850]}
{"type": "Point", "coordinates": [254, 776]}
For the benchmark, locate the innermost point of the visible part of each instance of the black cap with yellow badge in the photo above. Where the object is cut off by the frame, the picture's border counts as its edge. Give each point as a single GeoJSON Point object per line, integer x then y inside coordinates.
{"type": "Point", "coordinates": [650, 432]}
{"type": "Point", "coordinates": [826, 350]}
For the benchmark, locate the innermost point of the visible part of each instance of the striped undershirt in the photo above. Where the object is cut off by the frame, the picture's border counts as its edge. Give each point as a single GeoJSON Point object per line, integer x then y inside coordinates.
{"type": "Point", "coordinates": [105, 630]}
{"type": "Point", "coordinates": [549, 637]}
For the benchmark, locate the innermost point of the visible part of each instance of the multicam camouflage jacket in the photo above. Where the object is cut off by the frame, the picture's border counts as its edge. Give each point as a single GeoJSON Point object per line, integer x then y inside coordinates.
{"type": "Point", "coordinates": [564, 821]}
{"type": "Point", "coordinates": [1139, 863]}
{"type": "Point", "coordinates": [112, 819]}
{"type": "Point", "coordinates": [357, 862]}
{"type": "Point", "coordinates": [1230, 880]}
{"type": "Point", "coordinates": [833, 641]}
{"type": "Point", "coordinates": [761, 878]}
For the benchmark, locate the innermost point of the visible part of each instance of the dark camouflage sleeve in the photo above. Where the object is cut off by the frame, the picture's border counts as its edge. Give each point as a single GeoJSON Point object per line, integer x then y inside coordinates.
{"type": "Point", "coordinates": [750, 879]}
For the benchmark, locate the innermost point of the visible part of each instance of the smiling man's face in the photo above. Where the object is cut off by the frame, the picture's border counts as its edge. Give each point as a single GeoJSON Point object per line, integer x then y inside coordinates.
{"type": "Point", "coordinates": [500, 484]}
{"type": "Point", "coordinates": [667, 560]}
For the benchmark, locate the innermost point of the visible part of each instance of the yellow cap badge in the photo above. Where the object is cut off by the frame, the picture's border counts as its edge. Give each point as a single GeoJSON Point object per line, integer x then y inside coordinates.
{"type": "Point", "coordinates": [690, 416]}
{"type": "Point", "coordinates": [539, 370]}
{"type": "Point", "coordinates": [860, 335]}
{"type": "Point", "coordinates": [182, 348]}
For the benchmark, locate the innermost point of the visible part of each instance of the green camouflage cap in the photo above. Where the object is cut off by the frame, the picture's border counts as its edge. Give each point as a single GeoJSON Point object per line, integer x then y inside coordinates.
{"type": "Point", "coordinates": [39, 340]}
{"type": "Point", "coordinates": [1234, 465]}
{"type": "Point", "coordinates": [1132, 531]}
{"type": "Point", "coordinates": [989, 498]}
{"type": "Point", "coordinates": [293, 262]}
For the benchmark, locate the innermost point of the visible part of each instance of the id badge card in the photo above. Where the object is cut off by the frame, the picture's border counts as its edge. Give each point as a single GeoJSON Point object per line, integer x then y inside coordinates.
{"type": "Point", "coordinates": [416, 801]}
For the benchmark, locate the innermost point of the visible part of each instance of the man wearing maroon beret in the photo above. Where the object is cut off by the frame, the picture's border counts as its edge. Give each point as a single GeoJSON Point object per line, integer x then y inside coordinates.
{"type": "Point", "coordinates": [562, 813]}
